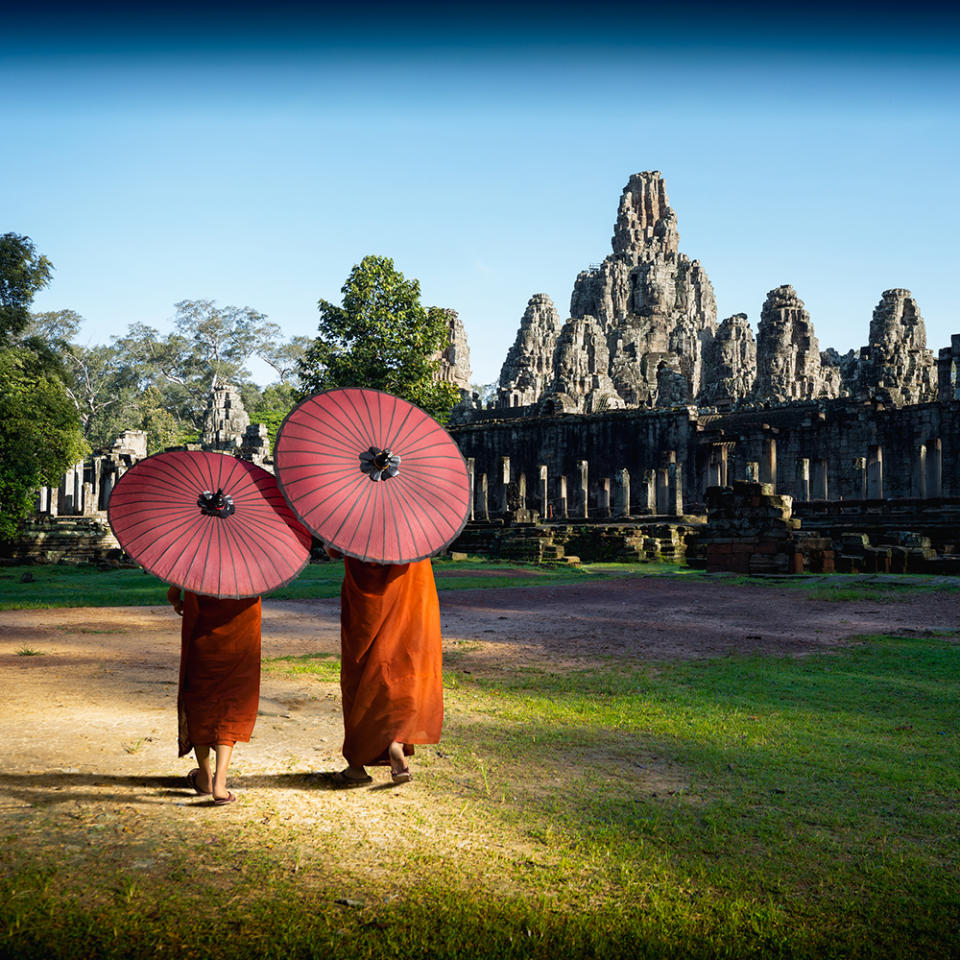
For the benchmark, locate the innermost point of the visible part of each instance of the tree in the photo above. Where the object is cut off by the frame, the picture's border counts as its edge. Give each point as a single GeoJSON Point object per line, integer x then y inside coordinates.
{"type": "Point", "coordinates": [284, 358]}
{"type": "Point", "coordinates": [22, 274]}
{"type": "Point", "coordinates": [381, 337]}
{"type": "Point", "coordinates": [40, 435]}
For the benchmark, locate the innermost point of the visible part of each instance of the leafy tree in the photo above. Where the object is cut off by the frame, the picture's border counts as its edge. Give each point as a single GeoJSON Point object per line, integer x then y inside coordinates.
{"type": "Point", "coordinates": [40, 435]}
{"type": "Point", "coordinates": [57, 328]}
{"type": "Point", "coordinates": [22, 274]}
{"type": "Point", "coordinates": [271, 406]}
{"type": "Point", "coordinates": [284, 358]}
{"type": "Point", "coordinates": [381, 337]}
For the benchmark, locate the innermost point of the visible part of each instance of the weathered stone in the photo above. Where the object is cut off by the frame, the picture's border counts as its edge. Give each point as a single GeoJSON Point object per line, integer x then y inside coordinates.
{"type": "Point", "coordinates": [731, 362]}
{"type": "Point", "coordinates": [225, 421]}
{"type": "Point", "coordinates": [528, 369]}
{"type": "Point", "coordinates": [654, 307]}
{"type": "Point", "coordinates": [455, 358]}
{"type": "Point", "coordinates": [788, 355]}
{"type": "Point", "coordinates": [581, 361]}
{"type": "Point", "coordinates": [897, 367]}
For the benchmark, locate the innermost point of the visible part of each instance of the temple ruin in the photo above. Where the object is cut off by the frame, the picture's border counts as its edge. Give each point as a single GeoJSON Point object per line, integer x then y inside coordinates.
{"type": "Point", "coordinates": [640, 427]}
{"type": "Point", "coordinates": [640, 403]}
{"type": "Point", "coordinates": [70, 521]}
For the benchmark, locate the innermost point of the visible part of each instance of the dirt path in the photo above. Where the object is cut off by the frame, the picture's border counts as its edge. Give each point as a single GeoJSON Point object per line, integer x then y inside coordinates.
{"type": "Point", "coordinates": [96, 711]}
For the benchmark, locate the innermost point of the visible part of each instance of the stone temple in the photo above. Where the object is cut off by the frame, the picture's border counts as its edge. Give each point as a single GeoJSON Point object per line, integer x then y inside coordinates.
{"type": "Point", "coordinates": [640, 401]}
{"type": "Point", "coordinates": [641, 426]}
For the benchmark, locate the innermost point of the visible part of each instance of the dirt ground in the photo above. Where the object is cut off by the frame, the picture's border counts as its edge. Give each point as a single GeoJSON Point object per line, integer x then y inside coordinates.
{"type": "Point", "coordinates": [94, 715]}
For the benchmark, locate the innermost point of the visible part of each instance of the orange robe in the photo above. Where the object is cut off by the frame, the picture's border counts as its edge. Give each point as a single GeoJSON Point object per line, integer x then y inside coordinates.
{"type": "Point", "coordinates": [391, 673]}
{"type": "Point", "coordinates": [219, 691]}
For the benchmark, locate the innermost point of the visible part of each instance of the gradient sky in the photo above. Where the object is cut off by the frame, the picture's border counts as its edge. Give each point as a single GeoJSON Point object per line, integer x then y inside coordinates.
{"type": "Point", "coordinates": [254, 157]}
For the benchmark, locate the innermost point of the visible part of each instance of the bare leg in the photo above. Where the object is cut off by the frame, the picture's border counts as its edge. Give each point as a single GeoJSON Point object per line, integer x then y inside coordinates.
{"type": "Point", "coordinates": [224, 752]}
{"type": "Point", "coordinates": [205, 776]}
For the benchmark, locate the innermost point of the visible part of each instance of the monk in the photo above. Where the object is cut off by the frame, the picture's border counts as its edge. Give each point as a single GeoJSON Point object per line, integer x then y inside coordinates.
{"type": "Point", "coordinates": [391, 675]}
{"type": "Point", "coordinates": [219, 691]}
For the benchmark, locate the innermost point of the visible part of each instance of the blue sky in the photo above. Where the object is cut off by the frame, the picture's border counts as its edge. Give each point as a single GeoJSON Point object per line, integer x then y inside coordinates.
{"type": "Point", "coordinates": [254, 158]}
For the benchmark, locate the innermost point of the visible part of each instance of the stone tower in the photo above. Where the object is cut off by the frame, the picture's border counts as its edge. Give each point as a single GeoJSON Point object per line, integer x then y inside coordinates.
{"type": "Point", "coordinates": [897, 366]}
{"type": "Point", "coordinates": [528, 369]}
{"type": "Point", "coordinates": [731, 362]}
{"type": "Point", "coordinates": [653, 306]}
{"type": "Point", "coordinates": [788, 354]}
{"type": "Point", "coordinates": [455, 358]}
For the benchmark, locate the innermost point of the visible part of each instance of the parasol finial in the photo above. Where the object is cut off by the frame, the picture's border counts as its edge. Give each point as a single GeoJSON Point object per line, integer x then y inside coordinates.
{"type": "Point", "coordinates": [217, 504]}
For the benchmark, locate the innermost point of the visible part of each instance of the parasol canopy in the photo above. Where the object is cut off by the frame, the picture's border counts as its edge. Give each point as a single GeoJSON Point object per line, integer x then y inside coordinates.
{"type": "Point", "coordinates": [373, 475]}
{"type": "Point", "coordinates": [208, 523]}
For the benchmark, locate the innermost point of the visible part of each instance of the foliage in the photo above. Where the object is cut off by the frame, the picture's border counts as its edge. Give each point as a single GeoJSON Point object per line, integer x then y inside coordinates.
{"type": "Point", "coordinates": [40, 436]}
{"type": "Point", "coordinates": [23, 273]}
{"type": "Point", "coordinates": [382, 338]}
{"type": "Point", "coordinates": [271, 407]}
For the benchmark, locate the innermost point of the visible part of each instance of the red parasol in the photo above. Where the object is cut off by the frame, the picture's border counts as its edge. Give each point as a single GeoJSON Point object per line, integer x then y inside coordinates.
{"type": "Point", "coordinates": [209, 523]}
{"type": "Point", "coordinates": [373, 475]}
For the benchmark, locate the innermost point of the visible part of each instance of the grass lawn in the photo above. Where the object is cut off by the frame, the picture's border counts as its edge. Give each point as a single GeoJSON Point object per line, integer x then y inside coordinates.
{"type": "Point", "coordinates": [737, 807]}
{"type": "Point", "coordinates": [63, 585]}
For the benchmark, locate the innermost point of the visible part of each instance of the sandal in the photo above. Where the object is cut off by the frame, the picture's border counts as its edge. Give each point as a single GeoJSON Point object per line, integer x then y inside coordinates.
{"type": "Point", "coordinates": [340, 781]}
{"type": "Point", "coordinates": [223, 801]}
{"type": "Point", "coordinates": [192, 783]}
{"type": "Point", "coordinates": [401, 776]}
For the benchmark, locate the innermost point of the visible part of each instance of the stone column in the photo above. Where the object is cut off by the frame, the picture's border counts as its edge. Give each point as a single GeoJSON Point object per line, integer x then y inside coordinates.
{"type": "Point", "coordinates": [803, 479]}
{"type": "Point", "coordinates": [503, 480]}
{"type": "Point", "coordinates": [89, 501]}
{"type": "Point", "coordinates": [724, 466]}
{"type": "Point", "coordinates": [933, 473]}
{"type": "Point", "coordinates": [583, 492]}
{"type": "Point", "coordinates": [54, 504]}
{"type": "Point", "coordinates": [875, 473]}
{"type": "Point", "coordinates": [661, 493]}
{"type": "Point", "coordinates": [522, 490]}
{"type": "Point", "coordinates": [920, 474]}
{"type": "Point", "coordinates": [562, 501]}
{"type": "Point", "coordinates": [768, 462]}
{"type": "Point", "coordinates": [623, 493]}
{"type": "Point", "coordinates": [820, 488]}
{"type": "Point", "coordinates": [603, 497]}
{"type": "Point", "coordinates": [78, 489]}
{"type": "Point", "coordinates": [542, 495]}
{"type": "Point", "coordinates": [106, 484]}
{"type": "Point", "coordinates": [471, 480]}
{"type": "Point", "coordinates": [43, 500]}
{"type": "Point", "coordinates": [675, 489]}
{"type": "Point", "coordinates": [647, 492]}
{"type": "Point", "coordinates": [483, 504]}
{"type": "Point", "coordinates": [714, 471]}
{"type": "Point", "coordinates": [860, 468]}
{"type": "Point", "coordinates": [751, 471]}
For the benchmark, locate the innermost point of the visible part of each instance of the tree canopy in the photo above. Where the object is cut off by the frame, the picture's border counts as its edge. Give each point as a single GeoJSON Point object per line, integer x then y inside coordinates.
{"type": "Point", "coordinates": [40, 434]}
{"type": "Point", "coordinates": [23, 273]}
{"type": "Point", "coordinates": [381, 337]}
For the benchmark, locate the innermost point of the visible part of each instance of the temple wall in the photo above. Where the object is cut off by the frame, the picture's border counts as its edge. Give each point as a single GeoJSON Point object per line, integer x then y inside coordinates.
{"type": "Point", "coordinates": [826, 449]}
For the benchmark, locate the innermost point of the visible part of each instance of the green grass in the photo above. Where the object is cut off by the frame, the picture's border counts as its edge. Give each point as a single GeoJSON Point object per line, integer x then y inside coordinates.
{"type": "Point", "coordinates": [84, 586]}
{"type": "Point", "coordinates": [744, 807]}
